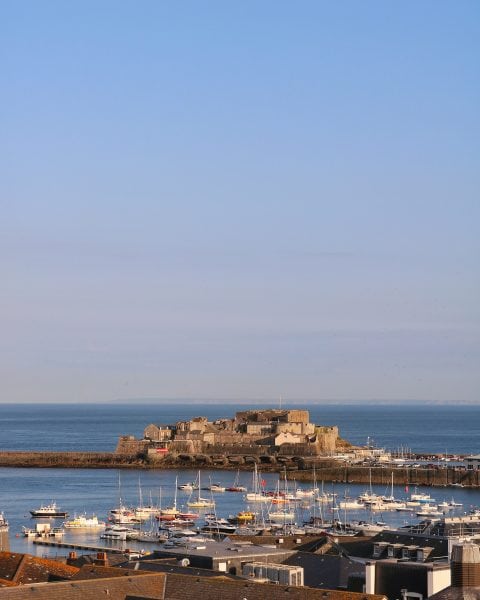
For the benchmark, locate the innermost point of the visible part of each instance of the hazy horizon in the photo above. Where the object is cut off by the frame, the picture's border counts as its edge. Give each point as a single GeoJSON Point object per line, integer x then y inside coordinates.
{"type": "Point", "coordinates": [240, 200]}
{"type": "Point", "coordinates": [256, 402]}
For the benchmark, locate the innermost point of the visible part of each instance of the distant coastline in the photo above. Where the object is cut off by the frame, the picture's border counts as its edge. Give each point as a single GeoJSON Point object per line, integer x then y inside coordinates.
{"type": "Point", "coordinates": [287, 403]}
{"type": "Point", "coordinates": [254, 403]}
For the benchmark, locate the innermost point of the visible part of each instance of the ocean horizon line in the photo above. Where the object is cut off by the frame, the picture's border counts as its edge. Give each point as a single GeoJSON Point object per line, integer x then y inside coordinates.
{"type": "Point", "coordinates": [271, 403]}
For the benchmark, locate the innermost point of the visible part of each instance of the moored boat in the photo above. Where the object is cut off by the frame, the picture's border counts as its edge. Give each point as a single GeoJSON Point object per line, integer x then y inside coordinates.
{"type": "Point", "coordinates": [49, 511]}
{"type": "Point", "coordinates": [215, 487]}
{"type": "Point", "coordinates": [236, 487]}
{"type": "Point", "coordinates": [188, 487]}
{"type": "Point", "coordinates": [219, 525]}
{"type": "Point", "coordinates": [43, 530]}
{"type": "Point", "coordinates": [84, 522]}
{"type": "Point", "coordinates": [115, 532]}
{"type": "Point", "coordinates": [200, 502]}
{"type": "Point", "coordinates": [244, 516]}
{"type": "Point", "coordinates": [282, 516]}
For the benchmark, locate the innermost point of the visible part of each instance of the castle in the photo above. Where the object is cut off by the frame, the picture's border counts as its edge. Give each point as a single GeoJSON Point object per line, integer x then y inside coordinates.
{"type": "Point", "coordinates": [256, 432]}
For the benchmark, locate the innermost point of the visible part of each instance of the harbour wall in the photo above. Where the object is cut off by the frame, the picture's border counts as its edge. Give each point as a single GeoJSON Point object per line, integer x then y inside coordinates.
{"type": "Point", "coordinates": [300, 468]}
{"type": "Point", "coordinates": [70, 460]}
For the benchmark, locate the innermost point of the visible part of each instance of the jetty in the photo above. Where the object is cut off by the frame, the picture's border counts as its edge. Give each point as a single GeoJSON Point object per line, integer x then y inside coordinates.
{"type": "Point", "coordinates": [74, 546]}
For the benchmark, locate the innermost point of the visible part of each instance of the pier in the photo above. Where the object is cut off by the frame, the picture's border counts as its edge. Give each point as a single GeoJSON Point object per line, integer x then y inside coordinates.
{"type": "Point", "coordinates": [73, 546]}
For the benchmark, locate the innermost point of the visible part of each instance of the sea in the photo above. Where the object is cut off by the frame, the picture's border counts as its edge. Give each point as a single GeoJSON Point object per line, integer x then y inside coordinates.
{"type": "Point", "coordinates": [65, 427]}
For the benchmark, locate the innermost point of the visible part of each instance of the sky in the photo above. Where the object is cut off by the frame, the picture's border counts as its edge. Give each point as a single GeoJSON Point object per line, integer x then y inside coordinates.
{"type": "Point", "coordinates": [239, 200]}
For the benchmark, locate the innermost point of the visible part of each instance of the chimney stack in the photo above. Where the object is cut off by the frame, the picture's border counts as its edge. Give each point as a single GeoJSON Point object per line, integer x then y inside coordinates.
{"type": "Point", "coordinates": [102, 559]}
{"type": "Point", "coordinates": [465, 565]}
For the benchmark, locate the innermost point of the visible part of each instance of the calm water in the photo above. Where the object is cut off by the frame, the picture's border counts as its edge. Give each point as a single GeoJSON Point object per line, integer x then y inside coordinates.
{"type": "Point", "coordinates": [98, 427]}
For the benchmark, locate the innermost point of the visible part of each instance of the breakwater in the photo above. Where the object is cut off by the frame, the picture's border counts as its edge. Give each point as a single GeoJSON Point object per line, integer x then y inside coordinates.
{"type": "Point", "coordinates": [302, 469]}
{"type": "Point", "coordinates": [70, 460]}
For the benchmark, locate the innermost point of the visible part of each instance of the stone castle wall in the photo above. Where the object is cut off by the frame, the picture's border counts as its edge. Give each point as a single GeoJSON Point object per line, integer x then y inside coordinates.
{"type": "Point", "coordinates": [128, 445]}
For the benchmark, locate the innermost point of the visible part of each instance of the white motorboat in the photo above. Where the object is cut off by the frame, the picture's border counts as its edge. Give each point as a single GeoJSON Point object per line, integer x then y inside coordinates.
{"type": "Point", "coordinates": [429, 510]}
{"type": "Point", "coordinates": [188, 487]}
{"type": "Point", "coordinates": [351, 505]}
{"type": "Point", "coordinates": [366, 528]}
{"type": "Point", "coordinates": [215, 487]}
{"type": "Point", "coordinates": [84, 522]}
{"type": "Point", "coordinates": [115, 532]}
{"type": "Point", "coordinates": [421, 497]}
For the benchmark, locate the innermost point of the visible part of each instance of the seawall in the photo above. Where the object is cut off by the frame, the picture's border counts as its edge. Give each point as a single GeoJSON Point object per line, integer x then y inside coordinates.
{"type": "Point", "coordinates": [70, 460]}
{"type": "Point", "coordinates": [302, 469]}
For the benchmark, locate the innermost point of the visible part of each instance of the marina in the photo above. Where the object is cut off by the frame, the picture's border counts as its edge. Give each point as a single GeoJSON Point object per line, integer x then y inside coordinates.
{"type": "Point", "coordinates": [284, 507]}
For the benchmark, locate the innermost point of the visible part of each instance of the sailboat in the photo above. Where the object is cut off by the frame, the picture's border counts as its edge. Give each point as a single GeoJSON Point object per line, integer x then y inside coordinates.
{"type": "Point", "coordinates": [325, 497]}
{"type": "Point", "coordinates": [256, 495]}
{"type": "Point", "coordinates": [200, 502]}
{"type": "Point", "coordinates": [171, 511]}
{"type": "Point", "coordinates": [369, 496]}
{"type": "Point", "coordinates": [284, 515]}
{"type": "Point", "coordinates": [121, 514]}
{"type": "Point", "coordinates": [388, 502]}
{"type": "Point", "coordinates": [236, 487]}
{"type": "Point", "coordinates": [143, 513]}
{"type": "Point", "coordinates": [316, 524]}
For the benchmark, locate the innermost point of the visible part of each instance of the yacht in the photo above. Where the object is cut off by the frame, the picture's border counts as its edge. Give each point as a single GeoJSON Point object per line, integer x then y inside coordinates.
{"type": "Point", "coordinates": [421, 497]}
{"type": "Point", "coordinates": [122, 516]}
{"type": "Point", "coordinates": [115, 532]}
{"type": "Point", "coordinates": [429, 510]}
{"type": "Point", "coordinates": [188, 487]}
{"type": "Point", "coordinates": [219, 525]}
{"type": "Point", "coordinates": [215, 487]}
{"type": "Point", "coordinates": [49, 511]}
{"type": "Point", "coordinates": [84, 522]}
{"type": "Point", "coordinates": [351, 505]}
{"type": "Point", "coordinates": [366, 528]}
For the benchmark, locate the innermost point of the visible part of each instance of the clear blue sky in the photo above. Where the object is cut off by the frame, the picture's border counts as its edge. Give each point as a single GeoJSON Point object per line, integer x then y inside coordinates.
{"type": "Point", "coordinates": [239, 200]}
